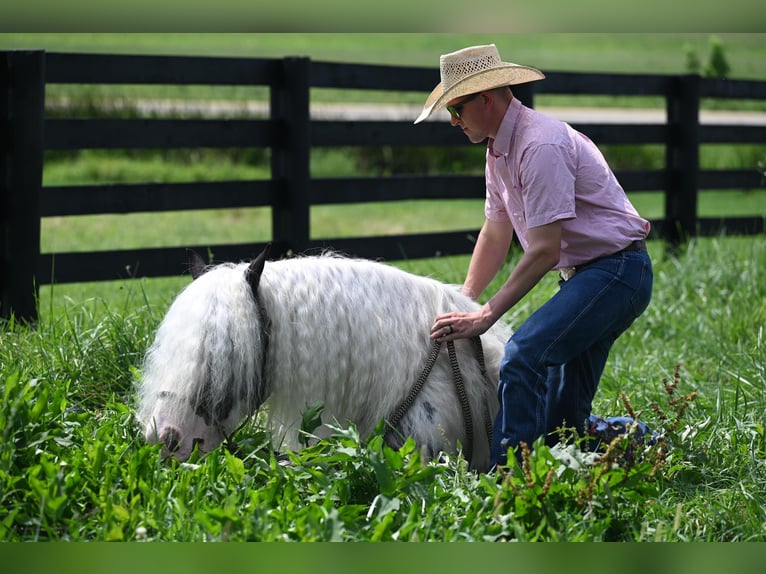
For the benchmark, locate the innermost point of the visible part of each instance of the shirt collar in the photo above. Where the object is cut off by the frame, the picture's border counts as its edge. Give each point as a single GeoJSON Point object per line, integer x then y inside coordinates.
{"type": "Point", "coordinates": [501, 143]}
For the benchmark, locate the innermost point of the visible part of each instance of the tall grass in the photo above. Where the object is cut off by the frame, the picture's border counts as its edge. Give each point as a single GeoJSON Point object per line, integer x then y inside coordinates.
{"type": "Point", "coordinates": [73, 466]}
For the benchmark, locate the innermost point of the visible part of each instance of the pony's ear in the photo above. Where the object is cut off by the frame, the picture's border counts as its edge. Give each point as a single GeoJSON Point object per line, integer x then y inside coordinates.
{"type": "Point", "coordinates": [197, 265]}
{"type": "Point", "coordinates": [255, 269]}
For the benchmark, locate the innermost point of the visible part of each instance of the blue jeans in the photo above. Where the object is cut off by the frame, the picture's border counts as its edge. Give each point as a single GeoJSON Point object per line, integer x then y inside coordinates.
{"type": "Point", "coordinates": [554, 361]}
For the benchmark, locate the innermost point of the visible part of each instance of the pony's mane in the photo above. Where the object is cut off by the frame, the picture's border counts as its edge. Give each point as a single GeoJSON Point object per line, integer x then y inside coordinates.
{"type": "Point", "coordinates": [212, 318]}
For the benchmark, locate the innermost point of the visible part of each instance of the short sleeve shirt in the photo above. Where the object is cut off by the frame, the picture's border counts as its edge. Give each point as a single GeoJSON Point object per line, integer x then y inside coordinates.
{"type": "Point", "coordinates": [540, 170]}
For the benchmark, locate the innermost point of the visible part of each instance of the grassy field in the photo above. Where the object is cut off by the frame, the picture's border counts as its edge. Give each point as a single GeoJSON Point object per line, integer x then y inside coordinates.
{"type": "Point", "coordinates": [73, 466]}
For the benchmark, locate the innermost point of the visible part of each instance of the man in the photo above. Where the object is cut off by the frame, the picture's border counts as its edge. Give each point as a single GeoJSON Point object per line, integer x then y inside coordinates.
{"type": "Point", "coordinates": [552, 187]}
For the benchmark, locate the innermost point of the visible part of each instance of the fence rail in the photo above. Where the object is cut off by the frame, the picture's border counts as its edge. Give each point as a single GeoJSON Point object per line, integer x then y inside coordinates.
{"type": "Point", "coordinates": [290, 134]}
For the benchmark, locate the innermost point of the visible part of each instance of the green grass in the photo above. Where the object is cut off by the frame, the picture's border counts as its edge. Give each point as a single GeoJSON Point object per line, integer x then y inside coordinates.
{"type": "Point", "coordinates": [73, 466]}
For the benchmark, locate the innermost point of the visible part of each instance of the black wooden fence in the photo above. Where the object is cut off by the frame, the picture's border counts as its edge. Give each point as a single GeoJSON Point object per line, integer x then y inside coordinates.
{"type": "Point", "coordinates": [26, 133]}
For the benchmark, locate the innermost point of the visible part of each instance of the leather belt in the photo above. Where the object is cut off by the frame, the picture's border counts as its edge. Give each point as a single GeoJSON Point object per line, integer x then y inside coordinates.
{"type": "Point", "coordinates": [567, 273]}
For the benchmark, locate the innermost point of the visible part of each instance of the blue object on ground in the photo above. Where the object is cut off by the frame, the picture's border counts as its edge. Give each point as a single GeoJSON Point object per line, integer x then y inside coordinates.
{"type": "Point", "coordinates": [605, 430]}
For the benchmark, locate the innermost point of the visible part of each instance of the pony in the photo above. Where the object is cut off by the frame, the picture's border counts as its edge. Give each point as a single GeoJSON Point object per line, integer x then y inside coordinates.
{"type": "Point", "coordinates": [350, 334]}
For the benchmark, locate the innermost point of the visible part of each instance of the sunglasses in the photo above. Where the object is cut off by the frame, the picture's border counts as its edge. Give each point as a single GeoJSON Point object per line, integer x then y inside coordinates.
{"type": "Point", "coordinates": [457, 108]}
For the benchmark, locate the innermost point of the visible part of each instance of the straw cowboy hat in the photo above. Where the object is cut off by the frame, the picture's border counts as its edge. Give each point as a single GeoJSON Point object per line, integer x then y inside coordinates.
{"type": "Point", "coordinates": [472, 70]}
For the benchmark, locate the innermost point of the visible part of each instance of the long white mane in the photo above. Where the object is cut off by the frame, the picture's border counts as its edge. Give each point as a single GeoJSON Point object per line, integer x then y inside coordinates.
{"type": "Point", "coordinates": [205, 348]}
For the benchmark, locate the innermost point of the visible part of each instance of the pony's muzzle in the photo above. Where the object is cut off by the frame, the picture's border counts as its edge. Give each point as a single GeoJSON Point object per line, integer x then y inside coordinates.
{"type": "Point", "coordinates": [173, 443]}
{"type": "Point", "coordinates": [171, 438]}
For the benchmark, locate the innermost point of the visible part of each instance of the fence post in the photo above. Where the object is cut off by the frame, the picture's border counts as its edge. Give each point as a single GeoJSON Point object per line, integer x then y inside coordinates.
{"type": "Point", "coordinates": [682, 159]}
{"type": "Point", "coordinates": [22, 109]}
{"type": "Point", "coordinates": [290, 158]}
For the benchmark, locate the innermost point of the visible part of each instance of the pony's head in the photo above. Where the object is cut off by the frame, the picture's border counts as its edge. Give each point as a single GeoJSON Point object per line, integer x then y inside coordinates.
{"type": "Point", "coordinates": [203, 373]}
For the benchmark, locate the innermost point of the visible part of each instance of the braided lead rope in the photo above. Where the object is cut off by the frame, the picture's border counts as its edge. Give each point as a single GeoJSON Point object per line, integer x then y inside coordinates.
{"type": "Point", "coordinates": [404, 406]}
{"type": "Point", "coordinates": [465, 405]}
{"type": "Point", "coordinates": [479, 352]}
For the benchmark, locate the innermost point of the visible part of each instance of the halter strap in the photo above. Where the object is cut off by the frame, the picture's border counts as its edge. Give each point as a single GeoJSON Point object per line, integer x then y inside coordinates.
{"type": "Point", "coordinates": [262, 391]}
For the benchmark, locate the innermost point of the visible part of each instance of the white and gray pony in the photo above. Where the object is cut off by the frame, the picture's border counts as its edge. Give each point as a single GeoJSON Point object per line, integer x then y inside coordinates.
{"type": "Point", "coordinates": [351, 334]}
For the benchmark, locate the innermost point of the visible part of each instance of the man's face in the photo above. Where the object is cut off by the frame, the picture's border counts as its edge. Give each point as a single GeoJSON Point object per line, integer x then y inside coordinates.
{"type": "Point", "coordinates": [466, 112]}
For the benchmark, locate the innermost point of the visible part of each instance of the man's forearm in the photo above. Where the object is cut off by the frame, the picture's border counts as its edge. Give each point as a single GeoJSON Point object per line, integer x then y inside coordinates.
{"type": "Point", "coordinates": [488, 257]}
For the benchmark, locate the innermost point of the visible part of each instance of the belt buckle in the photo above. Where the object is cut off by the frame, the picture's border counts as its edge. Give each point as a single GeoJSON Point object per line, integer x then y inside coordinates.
{"type": "Point", "coordinates": [567, 273]}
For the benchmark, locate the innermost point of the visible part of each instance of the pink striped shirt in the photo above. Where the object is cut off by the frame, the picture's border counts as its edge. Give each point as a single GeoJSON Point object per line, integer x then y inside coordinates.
{"type": "Point", "coordinates": [540, 170]}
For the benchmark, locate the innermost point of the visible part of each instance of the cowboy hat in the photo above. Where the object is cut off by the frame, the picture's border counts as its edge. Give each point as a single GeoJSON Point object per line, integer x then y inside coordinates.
{"type": "Point", "coordinates": [472, 70]}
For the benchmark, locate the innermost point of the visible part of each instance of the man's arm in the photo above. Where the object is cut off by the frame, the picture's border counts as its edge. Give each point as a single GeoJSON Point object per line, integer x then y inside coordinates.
{"type": "Point", "coordinates": [492, 247]}
{"type": "Point", "coordinates": [541, 256]}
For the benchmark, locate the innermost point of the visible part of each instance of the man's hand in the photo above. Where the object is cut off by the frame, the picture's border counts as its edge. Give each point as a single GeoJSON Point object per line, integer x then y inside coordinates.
{"type": "Point", "coordinates": [461, 325]}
